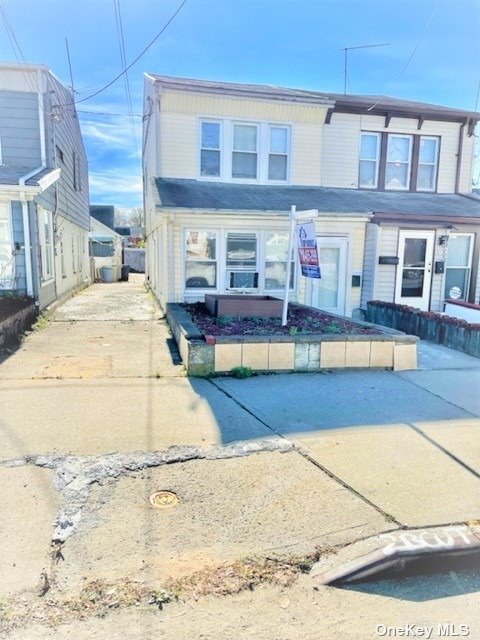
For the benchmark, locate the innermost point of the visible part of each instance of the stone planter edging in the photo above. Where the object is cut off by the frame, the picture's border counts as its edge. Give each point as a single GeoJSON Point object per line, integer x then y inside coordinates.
{"type": "Point", "coordinates": [435, 327]}
{"type": "Point", "coordinates": [220, 354]}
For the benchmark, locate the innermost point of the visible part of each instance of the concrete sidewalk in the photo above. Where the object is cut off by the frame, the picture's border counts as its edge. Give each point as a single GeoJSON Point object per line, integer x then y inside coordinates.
{"type": "Point", "coordinates": [324, 459]}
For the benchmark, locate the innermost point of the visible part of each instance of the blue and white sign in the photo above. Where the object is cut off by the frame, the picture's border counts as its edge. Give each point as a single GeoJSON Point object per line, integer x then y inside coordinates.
{"type": "Point", "coordinates": [307, 249]}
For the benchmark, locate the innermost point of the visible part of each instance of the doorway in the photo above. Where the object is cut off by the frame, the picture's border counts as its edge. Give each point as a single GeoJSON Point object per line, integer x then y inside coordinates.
{"type": "Point", "coordinates": [414, 273]}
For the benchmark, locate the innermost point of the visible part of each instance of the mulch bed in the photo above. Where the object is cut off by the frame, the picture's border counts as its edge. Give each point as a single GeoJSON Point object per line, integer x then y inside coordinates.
{"type": "Point", "coordinates": [301, 321]}
{"type": "Point", "coordinates": [11, 304]}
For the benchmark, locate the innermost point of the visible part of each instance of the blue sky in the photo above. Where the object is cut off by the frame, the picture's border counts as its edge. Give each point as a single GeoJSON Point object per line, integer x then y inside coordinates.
{"type": "Point", "coordinates": [284, 42]}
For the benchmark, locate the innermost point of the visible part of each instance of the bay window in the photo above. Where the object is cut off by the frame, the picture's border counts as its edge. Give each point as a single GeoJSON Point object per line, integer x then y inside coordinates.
{"type": "Point", "coordinates": [201, 260]}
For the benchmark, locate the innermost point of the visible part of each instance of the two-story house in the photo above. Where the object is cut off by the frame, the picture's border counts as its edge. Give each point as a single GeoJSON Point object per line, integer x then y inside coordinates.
{"type": "Point", "coordinates": [224, 163]}
{"type": "Point", "coordinates": [44, 213]}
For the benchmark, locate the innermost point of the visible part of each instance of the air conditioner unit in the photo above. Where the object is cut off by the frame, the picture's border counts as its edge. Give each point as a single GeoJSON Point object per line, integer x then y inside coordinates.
{"type": "Point", "coordinates": [242, 280]}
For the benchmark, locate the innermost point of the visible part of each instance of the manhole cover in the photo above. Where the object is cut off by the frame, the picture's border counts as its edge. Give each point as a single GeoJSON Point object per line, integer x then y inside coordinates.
{"type": "Point", "coordinates": [163, 499]}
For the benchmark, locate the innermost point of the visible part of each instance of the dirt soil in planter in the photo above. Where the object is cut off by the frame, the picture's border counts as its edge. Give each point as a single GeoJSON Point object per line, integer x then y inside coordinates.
{"type": "Point", "coordinates": [301, 321]}
{"type": "Point", "coordinates": [11, 304]}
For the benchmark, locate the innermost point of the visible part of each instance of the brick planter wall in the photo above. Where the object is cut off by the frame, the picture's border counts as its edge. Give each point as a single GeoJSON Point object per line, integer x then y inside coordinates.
{"type": "Point", "coordinates": [220, 354]}
{"type": "Point", "coordinates": [434, 327]}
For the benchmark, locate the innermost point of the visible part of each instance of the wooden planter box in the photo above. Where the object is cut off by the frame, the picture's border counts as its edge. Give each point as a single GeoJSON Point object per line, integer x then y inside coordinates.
{"type": "Point", "coordinates": [244, 306]}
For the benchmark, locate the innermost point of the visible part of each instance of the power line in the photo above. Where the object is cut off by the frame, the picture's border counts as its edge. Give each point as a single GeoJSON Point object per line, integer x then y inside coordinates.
{"type": "Point", "coordinates": [426, 28]}
{"type": "Point", "coordinates": [140, 55]}
{"type": "Point", "coordinates": [107, 113]}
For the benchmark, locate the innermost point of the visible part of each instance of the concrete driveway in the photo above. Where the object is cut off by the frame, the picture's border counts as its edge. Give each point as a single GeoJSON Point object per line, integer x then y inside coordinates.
{"type": "Point", "coordinates": [96, 416]}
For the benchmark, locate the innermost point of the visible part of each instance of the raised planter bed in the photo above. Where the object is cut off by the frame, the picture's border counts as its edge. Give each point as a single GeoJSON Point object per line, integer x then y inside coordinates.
{"type": "Point", "coordinates": [16, 316]}
{"type": "Point", "coordinates": [205, 354]}
{"type": "Point", "coordinates": [237, 306]}
{"type": "Point", "coordinates": [436, 327]}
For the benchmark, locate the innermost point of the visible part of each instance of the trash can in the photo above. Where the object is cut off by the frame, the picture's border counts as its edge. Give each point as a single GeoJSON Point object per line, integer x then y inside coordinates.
{"type": "Point", "coordinates": [108, 274]}
{"type": "Point", "coordinates": [125, 272]}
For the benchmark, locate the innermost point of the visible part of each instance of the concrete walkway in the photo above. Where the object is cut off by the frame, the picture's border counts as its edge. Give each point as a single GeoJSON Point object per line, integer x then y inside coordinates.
{"type": "Point", "coordinates": [323, 459]}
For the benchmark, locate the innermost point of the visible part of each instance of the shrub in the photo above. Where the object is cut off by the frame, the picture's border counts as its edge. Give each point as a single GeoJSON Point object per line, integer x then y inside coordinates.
{"type": "Point", "coordinates": [242, 372]}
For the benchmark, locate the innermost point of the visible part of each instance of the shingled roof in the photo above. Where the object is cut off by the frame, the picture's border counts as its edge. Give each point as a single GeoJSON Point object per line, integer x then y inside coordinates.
{"type": "Point", "coordinates": [225, 196]}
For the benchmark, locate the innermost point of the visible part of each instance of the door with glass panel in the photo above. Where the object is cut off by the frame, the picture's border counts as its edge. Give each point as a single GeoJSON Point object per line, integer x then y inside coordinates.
{"type": "Point", "coordinates": [328, 293]}
{"type": "Point", "coordinates": [414, 271]}
{"type": "Point", "coordinates": [458, 266]}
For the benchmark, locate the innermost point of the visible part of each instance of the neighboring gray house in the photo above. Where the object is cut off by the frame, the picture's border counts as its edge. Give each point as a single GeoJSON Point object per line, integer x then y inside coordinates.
{"type": "Point", "coordinates": [44, 213]}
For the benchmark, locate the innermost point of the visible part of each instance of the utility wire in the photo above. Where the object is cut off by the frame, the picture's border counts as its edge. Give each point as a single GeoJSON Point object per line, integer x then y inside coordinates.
{"type": "Point", "coordinates": [140, 55]}
{"type": "Point", "coordinates": [123, 59]}
{"type": "Point", "coordinates": [426, 28]}
{"type": "Point", "coordinates": [107, 113]}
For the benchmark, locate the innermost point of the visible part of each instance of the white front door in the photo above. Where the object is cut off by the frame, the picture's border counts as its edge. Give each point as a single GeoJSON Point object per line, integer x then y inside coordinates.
{"type": "Point", "coordinates": [414, 272]}
{"type": "Point", "coordinates": [328, 293]}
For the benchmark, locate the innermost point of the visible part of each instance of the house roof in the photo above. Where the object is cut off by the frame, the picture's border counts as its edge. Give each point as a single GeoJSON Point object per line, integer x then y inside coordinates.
{"type": "Point", "coordinates": [104, 213]}
{"type": "Point", "coordinates": [12, 175]}
{"type": "Point", "coordinates": [374, 104]}
{"type": "Point", "coordinates": [225, 196]}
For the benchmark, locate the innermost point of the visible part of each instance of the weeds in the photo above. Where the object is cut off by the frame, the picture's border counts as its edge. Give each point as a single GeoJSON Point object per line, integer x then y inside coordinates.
{"type": "Point", "coordinates": [242, 372]}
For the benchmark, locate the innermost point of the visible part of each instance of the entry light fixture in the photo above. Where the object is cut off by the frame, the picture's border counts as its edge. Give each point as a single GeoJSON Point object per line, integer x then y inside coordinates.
{"type": "Point", "coordinates": [442, 240]}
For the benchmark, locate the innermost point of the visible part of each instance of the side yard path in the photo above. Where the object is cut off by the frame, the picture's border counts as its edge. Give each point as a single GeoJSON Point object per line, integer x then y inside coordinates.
{"type": "Point", "coordinates": [267, 474]}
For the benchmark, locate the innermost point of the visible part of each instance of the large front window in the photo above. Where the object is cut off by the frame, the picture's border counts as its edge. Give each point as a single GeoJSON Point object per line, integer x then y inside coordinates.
{"type": "Point", "coordinates": [201, 260]}
{"type": "Point", "coordinates": [242, 251]}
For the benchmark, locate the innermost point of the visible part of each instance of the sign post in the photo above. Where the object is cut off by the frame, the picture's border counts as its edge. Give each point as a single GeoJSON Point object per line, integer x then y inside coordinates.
{"type": "Point", "coordinates": [301, 227]}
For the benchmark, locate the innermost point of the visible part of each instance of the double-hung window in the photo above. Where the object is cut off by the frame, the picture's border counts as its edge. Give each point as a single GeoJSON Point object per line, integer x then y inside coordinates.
{"type": "Point", "coordinates": [369, 158]}
{"type": "Point", "coordinates": [427, 163]}
{"type": "Point", "coordinates": [459, 264]}
{"type": "Point", "coordinates": [210, 154]}
{"type": "Point", "coordinates": [245, 151]}
{"type": "Point", "coordinates": [278, 153]}
{"type": "Point", "coordinates": [398, 165]}
{"type": "Point", "coordinates": [45, 231]}
{"type": "Point", "coordinates": [276, 250]}
{"type": "Point", "coordinates": [201, 259]}
{"type": "Point", "coordinates": [6, 247]}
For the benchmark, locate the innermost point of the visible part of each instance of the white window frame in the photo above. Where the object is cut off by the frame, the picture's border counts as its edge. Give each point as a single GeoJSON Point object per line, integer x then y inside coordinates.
{"type": "Point", "coordinates": [200, 148]}
{"type": "Point", "coordinates": [429, 164]}
{"type": "Point", "coordinates": [378, 136]}
{"type": "Point", "coordinates": [269, 153]}
{"type": "Point", "coordinates": [264, 261]}
{"type": "Point", "coordinates": [470, 262]}
{"type": "Point", "coordinates": [10, 242]}
{"type": "Point", "coordinates": [46, 249]}
{"type": "Point", "coordinates": [226, 150]}
{"type": "Point", "coordinates": [409, 137]}
{"type": "Point", "coordinates": [239, 123]}
{"type": "Point", "coordinates": [200, 290]}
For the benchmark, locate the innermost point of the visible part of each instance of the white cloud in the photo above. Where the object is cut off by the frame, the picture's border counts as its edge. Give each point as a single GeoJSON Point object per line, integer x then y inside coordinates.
{"type": "Point", "coordinates": [120, 187]}
{"type": "Point", "coordinates": [116, 132]}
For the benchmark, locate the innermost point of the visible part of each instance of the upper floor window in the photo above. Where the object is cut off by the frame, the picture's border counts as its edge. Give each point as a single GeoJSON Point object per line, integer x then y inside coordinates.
{"type": "Point", "coordinates": [399, 157]}
{"type": "Point", "coordinates": [427, 164]}
{"type": "Point", "coordinates": [278, 156]}
{"type": "Point", "coordinates": [244, 151]}
{"type": "Point", "coordinates": [369, 156]}
{"type": "Point", "coordinates": [398, 162]}
{"type": "Point", "coordinates": [210, 149]}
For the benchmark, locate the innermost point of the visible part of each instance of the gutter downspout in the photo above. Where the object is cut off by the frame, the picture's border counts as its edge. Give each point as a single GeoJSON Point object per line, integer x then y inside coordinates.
{"type": "Point", "coordinates": [23, 199]}
{"type": "Point", "coordinates": [459, 157]}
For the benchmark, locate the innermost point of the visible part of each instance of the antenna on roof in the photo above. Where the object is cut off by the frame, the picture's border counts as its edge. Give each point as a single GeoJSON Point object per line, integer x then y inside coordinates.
{"type": "Point", "coordinates": [70, 68]}
{"type": "Point", "coordinates": [347, 49]}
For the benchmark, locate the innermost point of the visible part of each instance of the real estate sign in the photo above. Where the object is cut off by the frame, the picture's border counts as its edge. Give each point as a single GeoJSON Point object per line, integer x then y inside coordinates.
{"type": "Point", "coordinates": [307, 249]}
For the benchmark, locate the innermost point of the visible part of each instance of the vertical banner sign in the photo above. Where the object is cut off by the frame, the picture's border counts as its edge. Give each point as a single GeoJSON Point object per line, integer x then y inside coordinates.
{"type": "Point", "coordinates": [307, 249]}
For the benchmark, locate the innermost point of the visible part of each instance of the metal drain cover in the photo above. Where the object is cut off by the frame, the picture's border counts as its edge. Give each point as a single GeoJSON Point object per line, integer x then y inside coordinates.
{"type": "Point", "coordinates": [163, 499]}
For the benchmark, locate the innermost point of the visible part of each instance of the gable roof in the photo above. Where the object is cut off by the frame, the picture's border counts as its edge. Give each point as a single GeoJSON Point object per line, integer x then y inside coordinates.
{"type": "Point", "coordinates": [225, 196]}
{"type": "Point", "coordinates": [373, 104]}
